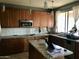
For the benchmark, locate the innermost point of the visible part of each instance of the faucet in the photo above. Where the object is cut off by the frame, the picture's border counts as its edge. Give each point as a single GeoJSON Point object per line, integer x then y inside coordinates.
{"type": "Point", "coordinates": [39, 29]}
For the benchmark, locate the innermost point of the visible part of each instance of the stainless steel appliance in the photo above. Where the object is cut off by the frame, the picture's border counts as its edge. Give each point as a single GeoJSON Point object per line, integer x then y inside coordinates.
{"type": "Point", "coordinates": [25, 23]}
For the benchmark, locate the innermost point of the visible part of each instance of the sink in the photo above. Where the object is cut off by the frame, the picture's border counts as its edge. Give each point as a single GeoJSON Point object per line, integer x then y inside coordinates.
{"type": "Point", "coordinates": [72, 37]}
{"type": "Point", "coordinates": [69, 36]}
{"type": "Point", "coordinates": [62, 34]}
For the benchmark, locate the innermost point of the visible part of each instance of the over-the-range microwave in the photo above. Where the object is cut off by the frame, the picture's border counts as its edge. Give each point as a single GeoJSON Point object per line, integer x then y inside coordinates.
{"type": "Point", "coordinates": [25, 23]}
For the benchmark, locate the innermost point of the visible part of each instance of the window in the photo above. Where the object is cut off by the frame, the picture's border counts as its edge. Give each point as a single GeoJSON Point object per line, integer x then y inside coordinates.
{"type": "Point", "coordinates": [60, 22]}
{"type": "Point", "coordinates": [71, 21]}
{"type": "Point", "coordinates": [64, 21]}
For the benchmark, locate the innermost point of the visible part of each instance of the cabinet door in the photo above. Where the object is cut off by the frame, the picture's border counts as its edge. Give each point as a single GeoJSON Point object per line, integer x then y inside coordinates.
{"type": "Point", "coordinates": [36, 19]}
{"type": "Point", "coordinates": [25, 14]}
{"type": "Point", "coordinates": [77, 50]}
{"type": "Point", "coordinates": [11, 46]}
{"type": "Point", "coordinates": [50, 20]}
{"type": "Point", "coordinates": [70, 45]}
{"type": "Point", "coordinates": [57, 40]}
{"type": "Point", "coordinates": [3, 17]}
{"type": "Point", "coordinates": [43, 19]}
{"type": "Point", "coordinates": [11, 17]}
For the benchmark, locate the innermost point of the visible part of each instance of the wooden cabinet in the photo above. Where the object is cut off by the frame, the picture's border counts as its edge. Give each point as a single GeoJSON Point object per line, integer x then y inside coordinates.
{"type": "Point", "coordinates": [50, 20]}
{"type": "Point", "coordinates": [36, 19]}
{"type": "Point", "coordinates": [11, 17]}
{"type": "Point", "coordinates": [42, 19]}
{"type": "Point", "coordinates": [11, 46]}
{"type": "Point", "coordinates": [57, 40]}
{"type": "Point", "coordinates": [8, 18]}
{"type": "Point", "coordinates": [70, 45]}
{"type": "Point", "coordinates": [77, 50]}
{"type": "Point", "coordinates": [25, 14]}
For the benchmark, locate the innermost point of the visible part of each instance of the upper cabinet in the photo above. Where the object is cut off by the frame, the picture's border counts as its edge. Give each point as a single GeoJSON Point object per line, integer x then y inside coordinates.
{"type": "Point", "coordinates": [42, 19]}
{"type": "Point", "coordinates": [50, 20]}
{"type": "Point", "coordinates": [36, 19]}
{"type": "Point", "coordinates": [11, 16]}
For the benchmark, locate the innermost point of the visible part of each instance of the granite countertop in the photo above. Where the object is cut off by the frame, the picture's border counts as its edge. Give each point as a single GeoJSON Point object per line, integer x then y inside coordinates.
{"type": "Point", "coordinates": [36, 35]}
{"type": "Point", "coordinates": [75, 40]}
{"type": "Point", "coordinates": [42, 48]}
{"type": "Point", "coordinates": [22, 36]}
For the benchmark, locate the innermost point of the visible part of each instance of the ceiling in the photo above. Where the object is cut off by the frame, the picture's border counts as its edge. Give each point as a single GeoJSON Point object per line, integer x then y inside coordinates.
{"type": "Point", "coordinates": [39, 3]}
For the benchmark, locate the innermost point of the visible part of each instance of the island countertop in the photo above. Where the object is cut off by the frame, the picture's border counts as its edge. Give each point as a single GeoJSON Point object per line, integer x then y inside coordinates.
{"type": "Point", "coordinates": [41, 47]}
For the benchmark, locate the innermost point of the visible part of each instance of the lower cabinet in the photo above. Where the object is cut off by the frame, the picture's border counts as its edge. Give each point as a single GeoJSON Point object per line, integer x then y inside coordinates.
{"type": "Point", "coordinates": [77, 50]}
{"type": "Point", "coordinates": [11, 46]}
{"type": "Point", "coordinates": [34, 53]}
{"type": "Point", "coordinates": [71, 46]}
{"type": "Point", "coordinates": [56, 40]}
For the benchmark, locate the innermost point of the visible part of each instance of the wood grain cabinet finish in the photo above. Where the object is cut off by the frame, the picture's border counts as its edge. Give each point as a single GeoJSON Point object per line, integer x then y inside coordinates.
{"type": "Point", "coordinates": [8, 18]}
{"type": "Point", "coordinates": [56, 40]}
{"type": "Point", "coordinates": [11, 46]}
{"type": "Point", "coordinates": [11, 17]}
{"type": "Point", "coordinates": [34, 53]}
{"type": "Point", "coordinates": [42, 19]}
{"type": "Point", "coordinates": [77, 50]}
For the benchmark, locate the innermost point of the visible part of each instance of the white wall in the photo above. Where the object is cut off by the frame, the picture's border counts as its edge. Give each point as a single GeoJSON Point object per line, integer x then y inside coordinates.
{"type": "Point", "coordinates": [20, 31]}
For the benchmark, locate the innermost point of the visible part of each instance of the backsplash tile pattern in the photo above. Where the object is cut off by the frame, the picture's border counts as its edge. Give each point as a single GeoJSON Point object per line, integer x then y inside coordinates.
{"type": "Point", "coordinates": [20, 31]}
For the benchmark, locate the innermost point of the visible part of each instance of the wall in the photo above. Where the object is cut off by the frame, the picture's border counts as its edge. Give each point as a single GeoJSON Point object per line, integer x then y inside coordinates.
{"type": "Point", "coordinates": [21, 31]}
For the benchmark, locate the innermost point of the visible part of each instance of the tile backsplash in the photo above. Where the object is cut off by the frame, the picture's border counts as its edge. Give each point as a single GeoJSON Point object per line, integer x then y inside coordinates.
{"type": "Point", "coordinates": [20, 31]}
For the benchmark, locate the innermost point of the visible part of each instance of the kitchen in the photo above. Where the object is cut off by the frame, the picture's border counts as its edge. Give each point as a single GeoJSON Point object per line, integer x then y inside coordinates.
{"type": "Point", "coordinates": [24, 20]}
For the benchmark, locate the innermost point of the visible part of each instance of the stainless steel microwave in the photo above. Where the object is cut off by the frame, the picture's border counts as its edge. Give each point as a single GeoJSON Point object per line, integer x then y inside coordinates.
{"type": "Point", "coordinates": [26, 23]}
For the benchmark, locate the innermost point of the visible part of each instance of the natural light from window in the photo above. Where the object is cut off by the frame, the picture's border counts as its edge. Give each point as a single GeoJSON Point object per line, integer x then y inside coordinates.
{"type": "Point", "coordinates": [64, 21]}
{"type": "Point", "coordinates": [60, 25]}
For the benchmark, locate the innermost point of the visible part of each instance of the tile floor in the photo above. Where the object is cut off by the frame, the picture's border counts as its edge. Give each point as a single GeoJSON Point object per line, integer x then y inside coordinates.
{"type": "Point", "coordinates": [23, 55]}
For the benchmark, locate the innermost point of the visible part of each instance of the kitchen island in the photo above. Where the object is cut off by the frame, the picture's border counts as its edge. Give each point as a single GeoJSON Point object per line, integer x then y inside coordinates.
{"type": "Point", "coordinates": [68, 43]}
{"type": "Point", "coordinates": [38, 50]}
